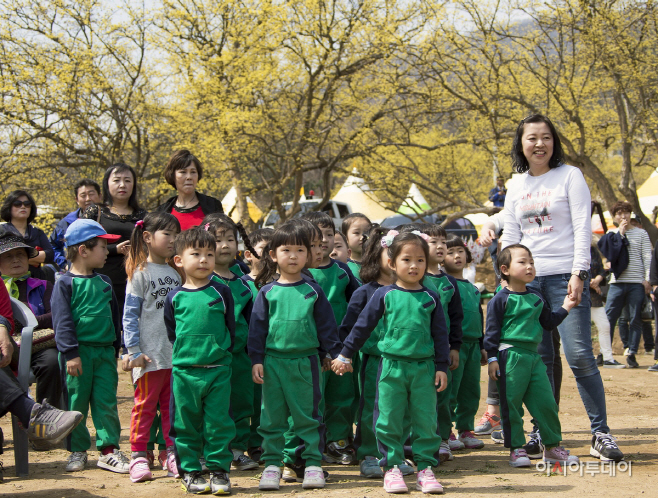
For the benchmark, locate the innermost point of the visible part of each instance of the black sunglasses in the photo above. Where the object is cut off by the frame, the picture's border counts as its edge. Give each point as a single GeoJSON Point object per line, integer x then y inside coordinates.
{"type": "Point", "coordinates": [18, 203]}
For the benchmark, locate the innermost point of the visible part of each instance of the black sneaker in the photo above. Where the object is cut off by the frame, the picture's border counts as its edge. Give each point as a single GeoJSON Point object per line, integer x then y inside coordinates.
{"type": "Point", "coordinates": [293, 472]}
{"type": "Point", "coordinates": [613, 364]}
{"type": "Point", "coordinates": [498, 437]}
{"type": "Point", "coordinates": [255, 453]}
{"type": "Point", "coordinates": [632, 363]}
{"type": "Point", "coordinates": [219, 483]}
{"type": "Point", "coordinates": [195, 483]}
{"type": "Point", "coordinates": [605, 448]}
{"type": "Point", "coordinates": [534, 448]}
{"type": "Point", "coordinates": [599, 360]}
{"type": "Point", "coordinates": [653, 368]}
{"type": "Point", "coordinates": [340, 452]}
{"type": "Point", "coordinates": [243, 462]}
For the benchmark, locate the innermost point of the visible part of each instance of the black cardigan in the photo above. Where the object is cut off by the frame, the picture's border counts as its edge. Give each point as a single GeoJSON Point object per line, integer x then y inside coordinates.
{"type": "Point", "coordinates": [209, 205]}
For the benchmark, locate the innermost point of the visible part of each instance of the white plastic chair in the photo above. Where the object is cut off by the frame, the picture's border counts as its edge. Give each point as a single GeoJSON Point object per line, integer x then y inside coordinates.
{"type": "Point", "coordinates": [23, 314]}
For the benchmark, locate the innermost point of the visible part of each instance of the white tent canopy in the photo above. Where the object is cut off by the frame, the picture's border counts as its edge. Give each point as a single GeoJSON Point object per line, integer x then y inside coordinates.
{"type": "Point", "coordinates": [356, 192]}
{"type": "Point", "coordinates": [229, 203]}
{"type": "Point", "coordinates": [414, 202]}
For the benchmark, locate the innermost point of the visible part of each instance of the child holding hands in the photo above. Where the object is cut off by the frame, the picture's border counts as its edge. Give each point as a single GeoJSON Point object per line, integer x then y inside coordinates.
{"type": "Point", "coordinates": [413, 365]}
{"type": "Point", "coordinates": [515, 317]}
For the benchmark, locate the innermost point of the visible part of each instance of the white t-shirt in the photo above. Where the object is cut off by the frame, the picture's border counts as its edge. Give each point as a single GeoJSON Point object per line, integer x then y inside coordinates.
{"type": "Point", "coordinates": [551, 215]}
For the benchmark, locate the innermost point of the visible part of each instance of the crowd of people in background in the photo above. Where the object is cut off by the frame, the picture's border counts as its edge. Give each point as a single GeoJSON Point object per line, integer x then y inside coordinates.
{"type": "Point", "coordinates": [353, 345]}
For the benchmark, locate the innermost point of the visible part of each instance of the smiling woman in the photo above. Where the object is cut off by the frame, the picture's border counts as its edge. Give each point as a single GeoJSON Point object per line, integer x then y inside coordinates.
{"type": "Point", "coordinates": [549, 212]}
{"type": "Point", "coordinates": [183, 172]}
{"type": "Point", "coordinates": [118, 215]}
{"type": "Point", "coordinates": [19, 211]}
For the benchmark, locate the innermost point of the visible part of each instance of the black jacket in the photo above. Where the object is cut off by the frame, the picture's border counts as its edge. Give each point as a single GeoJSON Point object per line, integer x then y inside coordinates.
{"type": "Point", "coordinates": [615, 248]}
{"type": "Point", "coordinates": [208, 204]}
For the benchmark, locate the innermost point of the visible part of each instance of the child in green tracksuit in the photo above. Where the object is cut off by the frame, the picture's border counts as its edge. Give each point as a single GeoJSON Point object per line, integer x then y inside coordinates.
{"type": "Point", "coordinates": [200, 321]}
{"type": "Point", "coordinates": [259, 240]}
{"type": "Point", "coordinates": [290, 320]}
{"type": "Point", "coordinates": [516, 317]}
{"type": "Point", "coordinates": [465, 389]}
{"type": "Point", "coordinates": [87, 328]}
{"type": "Point", "coordinates": [225, 232]}
{"type": "Point", "coordinates": [375, 273]}
{"type": "Point", "coordinates": [340, 392]}
{"type": "Point", "coordinates": [413, 340]}
{"type": "Point", "coordinates": [447, 289]}
{"type": "Point", "coordinates": [355, 226]}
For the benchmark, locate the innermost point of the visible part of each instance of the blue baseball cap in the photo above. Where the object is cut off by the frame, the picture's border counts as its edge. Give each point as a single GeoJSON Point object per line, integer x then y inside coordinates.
{"type": "Point", "coordinates": [82, 230]}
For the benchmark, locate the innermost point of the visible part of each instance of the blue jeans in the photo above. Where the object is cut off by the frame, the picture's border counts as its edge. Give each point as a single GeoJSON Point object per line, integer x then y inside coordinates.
{"type": "Point", "coordinates": [620, 295]}
{"type": "Point", "coordinates": [576, 334]}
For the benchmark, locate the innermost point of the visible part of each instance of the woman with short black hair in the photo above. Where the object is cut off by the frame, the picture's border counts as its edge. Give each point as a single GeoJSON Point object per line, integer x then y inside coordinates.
{"type": "Point", "coordinates": [183, 172]}
{"type": "Point", "coordinates": [19, 210]}
{"type": "Point", "coordinates": [549, 211]}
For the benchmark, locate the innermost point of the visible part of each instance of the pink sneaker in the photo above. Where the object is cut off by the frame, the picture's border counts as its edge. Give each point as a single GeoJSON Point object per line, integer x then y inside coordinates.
{"type": "Point", "coordinates": [162, 459]}
{"type": "Point", "coordinates": [519, 458]}
{"type": "Point", "coordinates": [561, 455]}
{"type": "Point", "coordinates": [427, 483]}
{"type": "Point", "coordinates": [454, 444]}
{"type": "Point", "coordinates": [139, 470]}
{"type": "Point", "coordinates": [470, 442]}
{"type": "Point", "coordinates": [171, 468]}
{"type": "Point", "coordinates": [394, 482]}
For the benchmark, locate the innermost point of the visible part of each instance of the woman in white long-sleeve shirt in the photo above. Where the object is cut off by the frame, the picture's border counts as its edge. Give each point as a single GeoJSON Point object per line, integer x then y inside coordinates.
{"type": "Point", "coordinates": [549, 211]}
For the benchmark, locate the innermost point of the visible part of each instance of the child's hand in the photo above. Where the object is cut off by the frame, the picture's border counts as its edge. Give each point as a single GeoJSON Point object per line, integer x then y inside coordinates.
{"type": "Point", "coordinates": [257, 373]}
{"type": "Point", "coordinates": [74, 367]}
{"type": "Point", "coordinates": [441, 380]}
{"type": "Point", "coordinates": [340, 367]}
{"type": "Point", "coordinates": [139, 362]}
{"type": "Point", "coordinates": [483, 357]}
{"type": "Point", "coordinates": [568, 304]}
{"type": "Point", "coordinates": [453, 359]}
{"type": "Point", "coordinates": [125, 363]}
{"type": "Point", "coordinates": [326, 364]}
{"type": "Point", "coordinates": [494, 371]}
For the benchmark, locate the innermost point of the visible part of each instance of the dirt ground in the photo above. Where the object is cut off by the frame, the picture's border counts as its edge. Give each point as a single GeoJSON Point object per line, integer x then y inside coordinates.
{"type": "Point", "coordinates": [631, 398]}
{"type": "Point", "coordinates": [631, 401]}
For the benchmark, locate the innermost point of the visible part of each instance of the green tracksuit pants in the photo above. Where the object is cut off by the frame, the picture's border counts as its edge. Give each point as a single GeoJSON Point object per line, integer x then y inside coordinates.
{"type": "Point", "coordinates": [443, 412]}
{"type": "Point", "coordinates": [523, 380]}
{"type": "Point", "coordinates": [291, 389]}
{"type": "Point", "coordinates": [465, 392]}
{"type": "Point", "coordinates": [402, 384]}
{"type": "Point", "coordinates": [242, 398]}
{"type": "Point", "coordinates": [156, 435]}
{"type": "Point", "coordinates": [365, 440]}
{"type": "Point", "coordinates": [200, 417]}
{"type": "Point", "coordinates": [96, 388]}
{"type": "Point", "coordinates": [256, 439]}
{"type": "Point", "coordinates": [338, 395]}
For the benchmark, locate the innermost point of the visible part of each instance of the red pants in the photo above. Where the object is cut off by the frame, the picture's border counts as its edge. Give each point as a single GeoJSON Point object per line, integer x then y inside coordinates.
{"type": "Point", "coordinates": [152, 388]}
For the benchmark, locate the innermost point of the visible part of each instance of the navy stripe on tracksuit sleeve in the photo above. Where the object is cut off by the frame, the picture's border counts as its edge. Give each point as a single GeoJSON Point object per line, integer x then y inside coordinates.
{"type": "Point", "coordinates": [365, 324]}
{"type": "Point", "coordinates": [495, 313]}
{"type": "Point", "coordinates": [439, 332]}
{"type": "Point", "coordinates": [456, 316]}
{"type": "Point", "coordinates": [259, 326]}
{"type": "Point", "coordinates": [325, 323]}
{"type": "Point", "coordinates": [66, 337]}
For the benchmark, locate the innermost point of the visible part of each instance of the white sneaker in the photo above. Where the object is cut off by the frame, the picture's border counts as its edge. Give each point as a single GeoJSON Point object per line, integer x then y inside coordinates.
{"type": "Point", "coordinates": [270, 479]}
{"type": "Point", "coordinates": [77, 461]}
{"type": "Point", "coordinates": [115, 462]}
{"type": "Point", "coordinates": [445, 455]}
{"type": "Point", "coordinates": [313, 478]}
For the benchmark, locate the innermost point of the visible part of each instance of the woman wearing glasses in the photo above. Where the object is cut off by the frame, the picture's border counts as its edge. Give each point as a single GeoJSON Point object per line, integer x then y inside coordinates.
{"type": "Point", "coordinates": [549, 211]}
{"type": "Point", "coordinates": [19, 211]}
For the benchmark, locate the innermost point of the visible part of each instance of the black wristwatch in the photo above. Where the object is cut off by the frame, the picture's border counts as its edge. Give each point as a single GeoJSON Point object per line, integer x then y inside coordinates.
{"type": "Point", "coordinates": [582, 274]}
